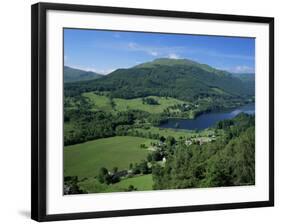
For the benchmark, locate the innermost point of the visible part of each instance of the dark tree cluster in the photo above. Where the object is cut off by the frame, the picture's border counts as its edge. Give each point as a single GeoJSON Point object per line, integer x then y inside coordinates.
{"type": "Point", "coordinates": [106, 177]}
{"type": "Point", "coordinates": [71, 186]}
{"type": "Point", "coordinates": [141, 168]}
{"type": "Point", "coordinates": [149, 101]}
{"type": "Point", "coordinates": [83, 124]}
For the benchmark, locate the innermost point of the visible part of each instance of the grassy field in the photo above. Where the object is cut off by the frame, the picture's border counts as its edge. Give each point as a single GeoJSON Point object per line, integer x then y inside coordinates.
{"type": "Point", "coordinates": [85, 160]}
{"type": "Point", "coordinates": [142, 183]}
{"type": "Point", "coordinates": [176, 133]}
{"type": "Point", "coordinates": [124, 104]}
{"type": "Point", "coordinates": [101, 102]}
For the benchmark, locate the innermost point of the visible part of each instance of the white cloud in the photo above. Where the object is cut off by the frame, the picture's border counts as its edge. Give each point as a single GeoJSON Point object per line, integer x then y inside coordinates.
{"type": "Point", "coordinates": [103, 71]}
{"type": "Point", "coordinates": [154, 53]}
{"type": "Point", "coordinates": [164, 51]}
{"type": "Point", "coordinates": [133, 46]}
{"type": "Point", "coordinates": [173, 56]}
{"type": "Point", "coordinates": [116, 35]}
{"type": "Point", "coordinates": [174, 52]}
{"type": "Point", "coordinates": [93, 69]}
{"type": "Point", "coordinates": [242, 69]}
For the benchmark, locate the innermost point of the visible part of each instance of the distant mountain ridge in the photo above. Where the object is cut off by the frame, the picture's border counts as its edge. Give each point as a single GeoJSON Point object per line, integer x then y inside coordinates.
{"type": "Point", "coordinates": [180, 62]}
{"type": "Point", "coordinates": [180, 78]}
{"type": "Point", "coordinates": [244, 76]}
{"type": "Point", "coordinates": [74, 74]}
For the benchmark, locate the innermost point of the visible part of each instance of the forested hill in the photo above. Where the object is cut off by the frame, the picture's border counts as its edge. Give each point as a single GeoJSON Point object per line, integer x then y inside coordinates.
{"type": "Point", "coordinates": [179, 78]}
{"type": "Point", "coordinates": [74, 75]}
{"type": "Point", "coordinates": [245, 76]}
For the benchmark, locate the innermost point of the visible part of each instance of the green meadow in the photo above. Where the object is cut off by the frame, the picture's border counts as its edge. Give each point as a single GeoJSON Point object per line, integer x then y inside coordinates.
{"type": "Point", "coordinates": [176, 133]}
{"type": "Point", "coordinates": [104, 103]}
{"type": "Point", "coordinates": [86, 159]}
{"type": "Point", "coordinates": [141, 183]}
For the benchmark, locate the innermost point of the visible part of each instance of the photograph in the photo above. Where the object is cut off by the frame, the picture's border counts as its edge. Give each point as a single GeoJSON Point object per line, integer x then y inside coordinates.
{"type": "Point", "coordinates": [148, 111]}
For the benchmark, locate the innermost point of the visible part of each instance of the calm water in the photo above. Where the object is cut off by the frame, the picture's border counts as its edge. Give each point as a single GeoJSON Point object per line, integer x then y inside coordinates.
{"type": "Point", "coordinates": [207, 120]}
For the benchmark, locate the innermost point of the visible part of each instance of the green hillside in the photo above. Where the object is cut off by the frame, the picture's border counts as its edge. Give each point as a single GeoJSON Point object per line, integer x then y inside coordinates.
{"type": "Point", "coordinates": [179, 62]}
{"type": "Point", "coordinates": [245, 76]}
{"type": "Point", "coordinates": [74, 75]}
{"type": "Point", "coordinates": [178, 78]}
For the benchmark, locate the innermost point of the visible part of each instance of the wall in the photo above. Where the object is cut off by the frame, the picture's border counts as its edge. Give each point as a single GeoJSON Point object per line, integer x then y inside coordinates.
{"type": "Point", "coordinates": [15, 110]}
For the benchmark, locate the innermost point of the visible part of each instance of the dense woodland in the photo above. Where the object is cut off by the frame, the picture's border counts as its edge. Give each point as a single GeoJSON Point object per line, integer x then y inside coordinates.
{"type": "Point", "coordinates": [228, 161]}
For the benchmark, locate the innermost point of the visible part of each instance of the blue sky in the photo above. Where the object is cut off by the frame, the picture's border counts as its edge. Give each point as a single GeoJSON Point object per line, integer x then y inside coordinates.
{"type": "Point", "coordinates": [105, 51]}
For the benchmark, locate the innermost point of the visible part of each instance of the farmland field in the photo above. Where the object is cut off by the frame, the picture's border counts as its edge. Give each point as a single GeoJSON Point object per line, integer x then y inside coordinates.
{"type": "Point", "coordinates": [176, 133]}
{"type": "Point", "coordinates": [136, 104]}
{"type": "Point", "coordinates": [99, 102]}
{"type": "Point", "coordinates": [102, 102]}
{"type": "Point", "coordinates": [141, 183]}
{"type": "Point", "coordinates": [85, 160]}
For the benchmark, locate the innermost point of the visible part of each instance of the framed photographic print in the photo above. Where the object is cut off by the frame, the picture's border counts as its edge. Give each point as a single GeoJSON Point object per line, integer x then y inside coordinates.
{"type": "Point", "coordinates": [139, 111]}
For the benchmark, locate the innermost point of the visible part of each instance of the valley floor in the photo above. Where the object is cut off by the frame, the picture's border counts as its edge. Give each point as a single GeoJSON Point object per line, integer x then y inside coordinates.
{"type": "Point", "coordinates": [129, 149]}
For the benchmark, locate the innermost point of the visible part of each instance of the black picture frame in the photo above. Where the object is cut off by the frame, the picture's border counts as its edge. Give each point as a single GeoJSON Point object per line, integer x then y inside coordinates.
{"type": "Point", "coordinates": [38, 108]}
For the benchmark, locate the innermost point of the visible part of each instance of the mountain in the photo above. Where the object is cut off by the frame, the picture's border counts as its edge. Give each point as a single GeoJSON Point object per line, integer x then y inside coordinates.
{"type": "Point", "coordinates": [74, 75]}
{"type": "Point", "coordinates": [179, 78]}
{"type": "Point", "coordinates": [244, 76]}
{"type": "Point", "coordinates": [247, 78]}
{"type": "Point", "coordinates": [180, 62]}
